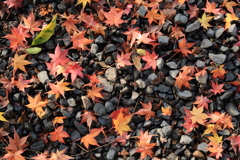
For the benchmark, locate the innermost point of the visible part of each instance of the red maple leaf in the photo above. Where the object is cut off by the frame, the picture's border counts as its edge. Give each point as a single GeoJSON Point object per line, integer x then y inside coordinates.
{"type": "Point", "coordinates": [14, 3]}
{"type": "Point", "coordinates": [123, 59]}
{"type": "Point", "coordinates": [202, 102]}
{"type": "Point", "coordinates": [236, 83]}
{"type": "Point", "coordinates": [182, 80]}
{"type": "Point", "coordinates": [88, 117]}
{"type": "Point", "coordinates": [7, 84]}
{"type": "Point", "coordinates": [79, 41]}
{"type": "Point", "coordinates": [235, 142]}
{"type": "Point", "coordinates": [211, 8]}
{"type": "Point", "coordinates": [193, 11]}
{"type": "Point", "coordinates": [217, 88]}
{"type": "Point", "coordinates": [75, 70]}
{"type": "Point", "coordinates": [146, 110]}
{"type": "Point", "coordinates": [70, 24]}
{"type": "Point", "coordinates": [59, 134]}
{"type": "Point", "coordinates": [132, 34]}
{"type": "Point", "coordinates": [177, 32]}
{"type": "Point", "coordinates": [151, 60]}
{"type": "Point", "coordinates": [142, 38]}
{"type": "Point", "coordinates": [94, 93]}
{"type": "Point", "coordinates": [184, 47]}
{"type": "Point", "coordinates": [92, 80]}
{"type": "Point", "coordinates": [21, 83]}
{"type": "Point", "coordinates": [113, 18]}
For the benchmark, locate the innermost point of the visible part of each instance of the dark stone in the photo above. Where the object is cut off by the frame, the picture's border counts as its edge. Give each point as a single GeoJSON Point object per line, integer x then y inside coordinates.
{"type": "Point", "coordinates": [38, 146]}
{"type": "Point", "coordinates": [99, 109]}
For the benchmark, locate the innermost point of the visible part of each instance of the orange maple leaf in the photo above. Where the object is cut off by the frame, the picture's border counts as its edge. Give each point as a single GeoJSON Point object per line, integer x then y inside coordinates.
{"type": "Point", "coordinates": [229, 5]}
{"type": "Point", "coordinates": [120, 123]}
{"type": "Point", "coordinates": [153, 16]}
{"type": "Point", "coordinates": [235, 142]}
{"type": "Point", "coordinates": [202, 101]}
{"type": "Point", "coordinates": [99, 29]}
{"type": "Point", "coordinates": [188, 70]}
{"type": "Point", "coordinates": [59, 155]}
{"type": "Point", "coordinates": [184, 47]}
{"type": "Point", "coordinates": [58, 134]}
{"type": "Point", "coordinates": [88, 117]}
{"type": "Point", "coordinates": [70, 24]}
{"type": "Point", "coordinates": [132, 34]}
{"type": "Point", "coordinates": [123, 59]}
{"type": "Point", "coordinates": [177, 32]}
{"type": "Point", "coordinates": [219, 72]}
{"type": "Point", "coordinates": [89, 138]}
{"type": "Point", "coordinates": [92, 80]}
{"type": "Point", "coordinates": [217, 88]}
{"type": "Point", "coordinates": [113, 18]}
{"type": "Point", "coordinates": [58, 88]}
{"type": "Point", "coordinates": [237, 84]}
{"type": "Point", "coordinates": [94, 93]}
{"type": "Point", "coordinates": [58, 120]}
{"type": "Point", "coordinates": [146, 110]}
{"type": "Point", "coordinates": [211, 8]}
{"type": "Point", "coordinates": [216, 150]}
{"type": "Point", "coordinates": [19, 63]}
{"type": "Point", "coordinates": [182, 80]}
{"type": "Point", "coordinates": [166, 111]}
{"type": "Point", "coordinates": [14, 155]}
{"type": "Point", "coordinates": [193, 11]}
{"type": "Point", "coordinates": [198, 116]}
{"type": "Point", "coordinates": [36, 104]}
{"type": "Point", "coordinates": [21, 83]}
{"type": "Point", "coordinates": [30, 24]}
{"type": "Point", "coordinates": [79, 41]}
{"type": "Point", "coordinates": [14, 3]}
{"type": "Point", "coordinates": [40, 156]}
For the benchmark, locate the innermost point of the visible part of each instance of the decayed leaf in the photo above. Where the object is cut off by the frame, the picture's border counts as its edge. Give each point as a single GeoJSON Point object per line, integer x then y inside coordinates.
{"type": "Point", "coordinates": [36, 104]}
{"type": "Point", "coordinates": [166, 111]}
{"type": "Point", "coordinates": [177, 32]}
{"type": "Point", "coordinates": [94, 93]}
{"type": "Point", "coordinates": [229, 5]}
{"type": "Point", "coordinates": [59, 134]}
{"type": "Point", "coordinates": [193, 11]}
{"type": "Point", "coordinates": [217, 88]}
{"type": "Point", "coordinates": [120, 123]}
{"type": "Point", "coordinates": [2, 133]}
{"type": "Point", "coordinates": [204, 20]}
{"type": "Point", "coordinates": [88, 117]}
{"type": "Point", "coordinates": [235, 142]}
{"type": "Point", "coordinates": [137, 61]}
{"type": "Point", "coordinates": [184, 47]}
{"type": "Point", "coordinates": [198, 116]}
{"type": "Point", "coordinates": [19, 63]}
{"type": "Point", "coordinates": [14, 3]}
{"type": "Point", "coordinates": [40, 157]}
{"type": "Point", "coordinates": [58, 88]}
{"type": "Point", "coordinates": [211, 8]}
{"type": "Point", "coordinates": [69, 24]}
{"type": "Point", "coordinates": [59, 155]}
{"type": "Point", "coordinates": [89, 138]}
{"type": "Point", "coordinates": [182, 80]}
{"type": "Point", "coordinates": [146, 110]}
{"type": "Point", "coordinates": [113, 18]}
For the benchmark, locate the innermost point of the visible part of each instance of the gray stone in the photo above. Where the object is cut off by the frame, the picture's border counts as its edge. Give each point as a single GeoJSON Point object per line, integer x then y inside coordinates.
{"type": "Point", "coordinates": [172, 156]}
{"type": "Point", "coordinates": [219, 17]}
{"type": "Point", "coordinates": [172, 65]}
{"type": "Point", "coordinates": [99, 109]}
{"type": "Point", "coordinates": [149, 90]}
{"type": "Point", "coordinates": [160, 63]}
{"type": "Point", "coordinates": [227, 94]}
{"type": "Point", "coordinates": [48, 113]}
{"type": "Point", "coordinates": [94, 48]}
{"type": "Point", "coordinates": [109, 106]}
{"type": "Point", "coordinates": [38, 146]}
{"type": "Point", "coordinates": [111, 153]}
{"type": "Point", "coordinates": [43, 76]}
{"type": "Point", "coordinates": [200, 3]}
{"type": "Point", "coordinates": [198, 154]}
{"type": "Point", "coordinates": [185, 139]}
{"type": "Point", "coordinates": [78, 83]}
{"type": "Point", "coordinates": [117, 39]}
{"type": "Point", "coordinates": [185, 94]}
{"type": "Point", "coordinates": [108, 86]}
{"type": "Point", "coordinates": [219, 32]}
{"type": "Point", "coordinates": [235, 49]}
{"type": "Point", "coordinates": [163, 40]}
{"type": "Point", "coordinates": [80, 127]}
{"type": "Point", "coordinates": [50, 44]}
{"type": "Point", "coordinates": [110, 48]}
{"type": "Point", "coordinates": [111, 74]}
{"type": "Point", "coordinates": [224, 132]}
{"type": "Point", "coordinates": [200, 64]}
{"type": "Point", "coordinates": [99, 39]}
{"type": "Point", "coordinates": [142, 11]}
{"type": "Point", "coordinates": [44, 57]}
{"type": "Point", "coordinates": [147, 124]}
{"type": "Point", "coordinates": [173, 73]}
{"type": "Point", "coordinates": [232, 109]}
{"type": "Point", "coordinates": [66, 39]}
{"type": "Point", "coordinates": [99, 56]}
{"type": "Point", "coordinates": [151, 77]}
{"type": "Point", "coordinates": [86, 102]}
{"type": "Point", "coordinates": [167, 130]}
{"type": "Point", "coordinates": [193, 27]}
{"type": "Point", "coordinates": [67, 113]}
{"type": "Point", "coordinates": [141, 84]}
{"type": "Point", "coordinates": [233, 29]}
{"type": "Point", "coordinates": [202, 147]}
{"type": "Point", "coordinates": [202, 79]}
{"type": "Point", "coordinates": [163, 88]}
{"type": "Point", "coordinates": [217, 58]}
{"type": "Point", "coordinates": [206, 43]}
{"type": "Point", "coordinates": [75, 135]}
{"type": "Point", "coordinates": [134, 96]}
{"type": "Point", "coordinates": [179, 18]}
{"type": "Point", "coordinates": [210, 33]}
{"type": "Point", "coordinates": [71, 102]}
{"type": "Point", "coordinates": [223, 48]}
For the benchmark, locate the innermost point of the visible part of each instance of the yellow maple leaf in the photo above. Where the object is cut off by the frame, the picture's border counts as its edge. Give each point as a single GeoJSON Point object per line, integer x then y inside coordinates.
{"type": "Point", "coordinates": [83, 2]}
{"type": "Point", "coordinates": [120, 124]}
{"type": "Point", "coordinates": [204, 20]}
{"type": "Point", "coordinates": [229, 19]}
{"type": "Point", "coordinates": [215, 139]}
{"type": "Point", "coordinates": [59, 88]}
{"type": "Point", "coordinates": [2, 118]}
{"type": "Point", "coordinates": [166, 111]}
{"type": "Point", "coordinates": [198, 116]}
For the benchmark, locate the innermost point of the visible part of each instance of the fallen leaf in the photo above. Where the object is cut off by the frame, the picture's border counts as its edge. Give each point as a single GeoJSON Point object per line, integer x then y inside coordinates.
{"type": "Point", "coordinates": [166, 111]}
{"type": "Point", "coordinates": [123, 60]}
{"type": "Point", "coordinates": [202, 101]}
{"type": "Point", "coordinates": [146, 110]}
{"type": "Point", "coordinates": [211, 8]}
{"type": "Point", "coordinates": [137, 61]}
{"type": "Point", "coordinates": [193, 11]}
{"type": "Point", "coordinates": [69, 24]}
{"type": "Point", "coordinates": [88, 117]}
{"type": "Point", "coordinates": [89, 138]}
{"type": "Point", "coordinates": [184, 47]}
{"type": "Point", "coordinates": [19, 62]}
{"type": "Point", "coordinates": [204, 21]}
{"type": "Point", "coordinates": [94, 93]}
{"type": "Point", "coordinates": [198, 116]}
{"type": "Point", "coordinates": [79, 41]}
{"type": "Point", "coordinates": [151, 60]}
{"type": "Point", "coordinates": [217, 88]}
{"type": "Point", "coordinates": [229, 18]}
{"type": "Point", "coordinates": [120, 123]}
{"type": "Point", "coordinates": [58, 88]}
{"type": "Point", "coordinates": [14, 3]}
{"type": "Point", "coordinates": [59, 134]}
{"type": "Point", "coordinates": [83, 2]}
{"type": "Point", "coordinates": [113, 18]}
{"type": "Point", "coordinates": [58, 120]}
{"type": "Point", "coordinates": [219, 72]}
{"type": "Point", "coordinates": [182, 80]}
{"type": "Point", "coordinates": [22, 84]}
{"type": "Point", "coordinates": [59, 155]}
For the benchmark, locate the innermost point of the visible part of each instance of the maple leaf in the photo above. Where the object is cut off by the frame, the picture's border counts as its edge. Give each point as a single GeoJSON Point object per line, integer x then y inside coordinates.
{"type": "Point", "coordinates": [144, 145]}
{"type": "Point", "coordinates": [74, 69]}
{"type": "Point", "coordinates": [166, 111]}
{"type": "Point", "coordinates": [132, 34]}
{"type": "Point", "coordinates": [219, 72]}
{"type": "Point", "coordinates": [235, 142]}
{"type": "Point", "coordinates": [14, 3]}
{"type": "Point", "coordinates": [2, 118]}
{"type": "Point", "coordinates": [36, 104]}
{"type": "Point", "coordinates": [154, 3]}
{"type": "Point", "coordinates": [19, 62]}
{"type": "Point", "coordinates": [215, 139]}
{"type": "Point", "coordinates": [30, 24]}
{"type": "Point", "coordinates": [59, 155]}
{"type": "Point", "coordinates": [184, 47]}
{"type": "Point", "coordinates": [58, 134]}
{"type": "Point", "coordinates": [146, 110]}
{"type": "Point", "coordinates": [40, 157]}
{"type": "Point", "coordinates": [216, 117]}
{"type": "Point", "coordinates": [113, 18]}
{"type": "Point", "coordinates": [14, 155]}
{"type": "Point", "coordinates": [83, 2]}
{"type": "Point", "coordinates": [70, 24]}
{"type": "Point", "coordinates": [4, 100]}
{"type": "Point", "coordinates": [188, 125]}
{"type": "Point", "coordinates": [151, 60]}
{"type": "Point", "coordinates": [21, 83]}
{"type": "Point", "coordinates": [79, 41]}
{"type": "Point", "coordinates": [188, 70]}
{"type": "Point", "coordinates": [193, 11]}
{"type": "Point", "coordinates": [227, 122]}
{"type": "Point", "coordinates": [123, 138]}
{"type": "Point", "coordinates": [212, 128]}
{"type": "Point", "coordinates": [181, 2]}
{"type": "Point", "coordinates": [204, 20]}
{"type": "Point", "coordinates": [94, 93]}
{"type": "Point", "coordinates": [89, 138]}
{"type": "Point", "coordinates": [153, 16]}
{"type": "Point", "coordinates": [58, 88]}
{"type": "Point", "coordinates": [216, 150]}
{"type": "Point", "coordinates": [217, 88]}
{"type": "Point", "coordinates": [88, 117]}
{"type": "Point", "coordinates": [229, 19]}
{"type": "Point", "coordinates": [114, 114]}
{"type": "Point", "coordinates": [142, 38]}
{"type": "Point", "coordinates": [211, 8]}
{"type": "Point", "coordinates": [237, 84]}
{"type": "Point", "coordinates": [16, 143]}
{"type": "Point", "coordinates": [177, 32]}
{"type": "Point", "coordinates": [99, 29]}
{"type": "Point", "coordinates": [120, 123]}
{"type": "Point", "coordinates": [92, 80]}
{"type": "Point", "coordinates": [2, 133]}
{"type": "Point", "coordinates": [201, 72]}
{"type": "Point", "coordinates": [229, 5]}
{"type": "Point", "coordinates": [58, 120]}
{"type": "Point", "coordinates": [198, 116]}
{"type": "Point", "coordinates": [202, 101]}
{"type": "Point", "coordinates": [182, 80]}
{"type": "Point", "coordinates": [123, 59]}
{"type": "Point", "coordinates": [7, 84]}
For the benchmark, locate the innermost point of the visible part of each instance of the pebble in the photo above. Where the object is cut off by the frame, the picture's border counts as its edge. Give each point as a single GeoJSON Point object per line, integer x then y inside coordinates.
{"type": "Point", "coordinates": [99, 39]}
{"type": "Point", "coordinates": [68, 113]}
{"type": "Point", "coordinates": [86, 102]}
{"type": "Point", "coordinates": [99, 109]}
{"type": "Point", "coordinates": [151, 77]}
{"type": "Point", "coordinates": [219, 32]}
{"type": "Point", "coordinates": [235, 49]}
{"type": "Point", "coordinates": [109, 107]}
{"type": "Point", "coordinates": [206, 43]}
{"type": "Point", "coordinates": [198, 154]}
{"type": "Point", "coordinates": [75, 135]}
{"type": "Point", "coordinates": [140, 83]}
{"type": "Point", "coordinates": [78, 83]}
{"type": "Point", "coordinates": [111, 153]}
{"type": "Point", "coordinates": [202, 79]}
{"type": "Point", "coordinates": [108, 86]}
{"type": "Point", "coordinates": [172, 65]}
{"type": "Point", "coordinates": [179, 18]}
{"type": "Point", "coordinates": [227, 94]}
{"type": "Point", "coordinates": [172, 156]}
{"type": "Point", "coordinates": [219, 17]}
{"type": "Point", "coordinates": [167, 130]}
{"type": "Point", "coordinates": [232, 109]}
{"type": "Point", "coordinates": [43, 76]}
{"type": "Point", "coordinates": [110, 48]}
{"type": "Point", "coordinates": [160, 63]}
{"type": "Point", "coordinates": [193, 27]}
{"type": "Point", "coordinates": [173, 73]}
{"type": "Point", "coordinates": [202, 147]}
{"type": "Point", "coordinates": [81, 128]}
{"type": "Point", "coordinates": [163, 40]}
{"type": "Point", "coordinates": [38, 146]}
{"type": "Point", "coordinates": [71, 102]}
{"type": "Point", "coordinates": [142, 11]}
{"type": "Point", "coordinates": [117, 39]}
{"type": "Point", "coordinates": [163, 88]}
{"type": "Point", "coordinates": [44, 57]}
{"type": "Point", "coordinates": [200, 64]}
{"type": "Point", "coordinates": [94, 48]}
{"type": "Point", "coordinates": [147, 124]}
{"type": "Point", "coordinates": [66, 39]}
{"type": "Point", "coordinates": [185, 94]}
{"type": "Point", "coordinates": [134, 96]}
{"type": "Point", "coordinates": [223, 48]}
{"type": "Point", "coordinates": [185, 139]}
{"type": "Point", "coordinates": [210, 33]}
{"type": "Point", "coordinates": [233, 30]}
{"type": "Point", "coordinates": [217, 58]}
{"type": "Point", "coordinates": [111, 74]}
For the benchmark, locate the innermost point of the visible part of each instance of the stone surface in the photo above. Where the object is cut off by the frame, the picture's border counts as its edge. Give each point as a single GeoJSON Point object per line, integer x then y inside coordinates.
{"type": "Point", "coordinates": [111, 74]}
{"type": "Point", "coordinates": [194, 26]}
{"type": "Point", "coordinates": [206, 43]}
{"type": "Point", "coordinates": [218, 58]}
